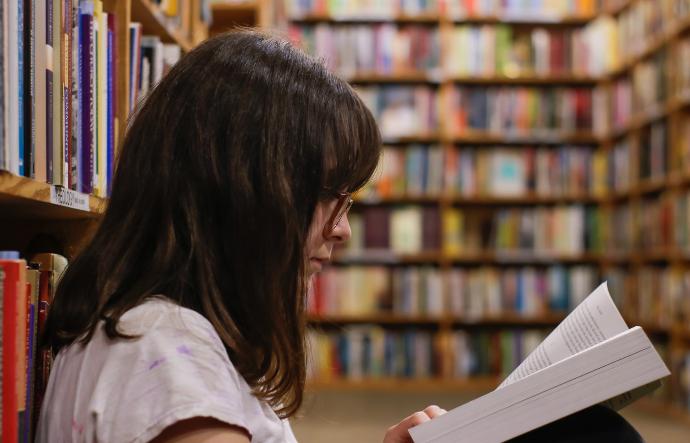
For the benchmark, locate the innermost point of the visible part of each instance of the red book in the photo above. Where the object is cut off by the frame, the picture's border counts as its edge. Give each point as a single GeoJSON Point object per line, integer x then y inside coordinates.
{"type": "Point", "coordinates": [14, 291]}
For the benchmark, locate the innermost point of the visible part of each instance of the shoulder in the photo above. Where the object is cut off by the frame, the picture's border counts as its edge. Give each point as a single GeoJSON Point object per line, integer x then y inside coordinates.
{"type": "Point", "coordinates": [175, 369]}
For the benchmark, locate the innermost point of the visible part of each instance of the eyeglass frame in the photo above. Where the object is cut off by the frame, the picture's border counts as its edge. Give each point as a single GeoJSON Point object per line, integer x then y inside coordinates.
{"type": "Point", "coordinates": [343, 206]}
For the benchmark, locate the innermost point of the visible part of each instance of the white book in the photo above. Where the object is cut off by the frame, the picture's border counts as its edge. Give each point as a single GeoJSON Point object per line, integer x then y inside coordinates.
{"type": "Point", "coordinates": [592, 357]}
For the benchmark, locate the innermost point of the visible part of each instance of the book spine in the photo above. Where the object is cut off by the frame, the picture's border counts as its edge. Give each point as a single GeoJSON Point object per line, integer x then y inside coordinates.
{"type": "Point", "coordinates": [75, 129]}
{"type": "Point", "coordinates": [30, 91]}
{"type": "Point", "coordinates": [12, 390]}
{"type": "Point", "coordinates": [20, 87]}
{"type": "Point", "coordinates": [102, 98]}
{"type": "Point", "coordinates": [43, 355]}
{"type": "Point", "coordinates": [85, 84]}
{"type": "Point", "coordinates": [93, 100]}
{"type": "Point", "coordinates": [111, 98]}
{"type": "Point", "coordinates": [66, 77]}
{"type": "Point", "coordinates": [49, 91]}
{"type": "Point", "coordinates": [3, 95]}
{"type": "Point", "coordinates": [58, 113]}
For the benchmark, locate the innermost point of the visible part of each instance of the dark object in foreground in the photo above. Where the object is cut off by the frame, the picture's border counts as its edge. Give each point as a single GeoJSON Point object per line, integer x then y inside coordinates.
{"type": "Point", "coordinates": [592, 425]}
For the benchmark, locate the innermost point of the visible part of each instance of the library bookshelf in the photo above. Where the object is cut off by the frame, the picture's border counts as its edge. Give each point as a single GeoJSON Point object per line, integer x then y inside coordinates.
{"type": "Point", "coordinates": [651, 262]}
{"type": "Point", "coordinates": [33, 209]}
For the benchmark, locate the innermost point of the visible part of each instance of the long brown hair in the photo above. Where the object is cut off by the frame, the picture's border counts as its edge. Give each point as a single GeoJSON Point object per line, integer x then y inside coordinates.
{"type": "Point", "coordinates": [217, 182]}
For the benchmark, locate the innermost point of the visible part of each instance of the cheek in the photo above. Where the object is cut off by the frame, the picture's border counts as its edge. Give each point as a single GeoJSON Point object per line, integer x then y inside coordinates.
{"type": "Point", "coordinates": [315, 239]}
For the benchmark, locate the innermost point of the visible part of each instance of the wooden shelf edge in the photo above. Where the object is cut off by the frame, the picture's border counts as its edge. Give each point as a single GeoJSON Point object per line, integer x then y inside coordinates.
{"type": "Point", "coordinates": [27, 193]}
{"type": "Point", "coordinates": [513, 319]}
{"type": "Point", "coordinates": [249, 5]}
{"type": "Point", "coordinates": [149, 15]}
{"type": "Point", "coordinates": [480, 383]}
{"type": "Point", "coordinates": [661, 407]}
{"type": "Point", "coordinates": [431, 18]}
{"type": "Point", "coordinates": [437, 18]}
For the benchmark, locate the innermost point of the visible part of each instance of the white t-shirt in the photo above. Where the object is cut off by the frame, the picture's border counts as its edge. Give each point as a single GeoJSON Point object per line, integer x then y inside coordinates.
{"type": "Point", "coordinates": [130, 390]}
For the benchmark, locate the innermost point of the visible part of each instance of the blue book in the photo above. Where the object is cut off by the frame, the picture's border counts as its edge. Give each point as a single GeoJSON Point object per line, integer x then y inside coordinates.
{"type": "Point", "coordinates": [86, 95]}
{"type": "Point", "coordinates": [110, 102]}
{"type": "Point", "coordinates": [20, 82]}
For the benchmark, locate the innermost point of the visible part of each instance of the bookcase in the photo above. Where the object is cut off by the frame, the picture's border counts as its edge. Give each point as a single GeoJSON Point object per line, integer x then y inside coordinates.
{"type": "Point", "coordinates": [528, 155]}
{"type": "Point", "coordinates": [34, 209]}
{"type": "Point", "coordinates": [228, 14]}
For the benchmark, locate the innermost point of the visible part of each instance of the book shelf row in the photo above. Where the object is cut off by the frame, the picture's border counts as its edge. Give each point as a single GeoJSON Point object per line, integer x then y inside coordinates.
{"type": "Point", "coordinates": [430, 10]}
{"type": "Point", "coordinates": [371, 352]}
{"type": "Point", "coordinates": [458, 293]}
{"type": "Point", "coordinates": [648, 223]}
{"type": "Point", "coordinates": [607, 45]}
{"type": "Point", "coordinates": [655, 296]}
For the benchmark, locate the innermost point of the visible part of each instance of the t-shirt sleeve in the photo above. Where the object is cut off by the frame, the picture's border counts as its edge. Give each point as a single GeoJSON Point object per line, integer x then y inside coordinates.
{"type": "Point", "coordinates": [178, 369]}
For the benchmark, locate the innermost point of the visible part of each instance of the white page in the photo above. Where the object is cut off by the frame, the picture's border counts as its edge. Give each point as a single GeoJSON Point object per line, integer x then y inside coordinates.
{"type": "Point", "coordinates": [594, 320]}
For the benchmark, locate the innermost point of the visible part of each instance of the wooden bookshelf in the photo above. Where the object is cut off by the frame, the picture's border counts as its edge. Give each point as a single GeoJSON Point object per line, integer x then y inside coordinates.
{"type": "Point", "coordinates": [378, 318]}
{"type": "Point", "coordinates": [231, 14]}
{"type": "Point", "coordinates": [418, 138]}
{"type": "Point", "coordinates": [393, 78]}
{"type": "Point", "coordinates": [526, 20]}
{"type": "Point", "coordinates": [533, 138]}
{"type": "Point", "coordinates": [424, 19]}
{"type": "Point", "coordinates": [22, 197]}
{"type": "Point", "coordinates": [639, 191]}
{"type": "Point", "coordinates": [527, 80]}
{"type": "Point", "coordinates": [153, 22]}
{"type": "Point", "coordinates": [387, 257]}
{"type": "Point", "coordinates": [478, 384]}
{"type": "Point", "coordinates": [524, 200]}
{"type": "Point", "coordinates": [506, 320]}
{"type": "Point", "coordinates": [654, 45]}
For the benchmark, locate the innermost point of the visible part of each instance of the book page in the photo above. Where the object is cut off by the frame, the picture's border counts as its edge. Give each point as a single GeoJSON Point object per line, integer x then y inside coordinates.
{"type": "Point", "coordinates": [594, 320]}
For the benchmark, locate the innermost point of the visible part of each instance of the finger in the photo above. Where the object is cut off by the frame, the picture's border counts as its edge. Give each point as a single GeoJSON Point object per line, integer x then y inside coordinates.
{"type": "Point", "coordinates": [413, 420]}
{"type": "Point", "coordinates": [434, 411]}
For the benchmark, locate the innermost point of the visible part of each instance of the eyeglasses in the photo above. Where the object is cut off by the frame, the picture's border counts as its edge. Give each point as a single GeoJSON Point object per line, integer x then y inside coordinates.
{"type": "Point", "coordinates": [342, 206]}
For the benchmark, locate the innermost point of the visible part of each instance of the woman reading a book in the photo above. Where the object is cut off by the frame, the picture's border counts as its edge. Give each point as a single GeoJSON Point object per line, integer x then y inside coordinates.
{"type": "Point", "coordinates": [182, 319]}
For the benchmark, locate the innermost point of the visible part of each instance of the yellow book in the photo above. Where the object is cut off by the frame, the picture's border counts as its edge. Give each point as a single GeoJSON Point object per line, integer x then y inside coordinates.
{"type": "Point", "coordinates": [169, 8]}
{"type": "Point", "coordinates": [452, 222]}
{"type": "Point", "coordinates": [101, 19]}
{"type": "Point", "coordinates": [600, 172]}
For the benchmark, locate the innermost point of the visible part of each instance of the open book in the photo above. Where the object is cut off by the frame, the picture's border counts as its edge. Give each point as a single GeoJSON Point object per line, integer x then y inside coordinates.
{"type": "Point", "coordinates": [590, 358]}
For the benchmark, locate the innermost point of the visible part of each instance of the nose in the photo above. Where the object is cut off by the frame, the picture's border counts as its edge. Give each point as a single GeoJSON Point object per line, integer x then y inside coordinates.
{"type": "Point", "coordinates": [342, 231]}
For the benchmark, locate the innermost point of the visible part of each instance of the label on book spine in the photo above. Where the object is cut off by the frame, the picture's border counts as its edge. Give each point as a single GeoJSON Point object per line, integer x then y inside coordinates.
{"type": "Point", "coordinates": [71, 199]}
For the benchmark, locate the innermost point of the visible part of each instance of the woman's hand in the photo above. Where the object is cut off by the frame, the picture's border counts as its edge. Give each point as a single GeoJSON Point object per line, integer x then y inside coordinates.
{"type": "Point", "coordinates": [398, 433]}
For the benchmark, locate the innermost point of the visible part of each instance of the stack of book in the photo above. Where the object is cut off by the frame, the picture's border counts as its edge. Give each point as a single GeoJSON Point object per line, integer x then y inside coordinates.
{"type": "Point", "coordinates": [411, 171]}
{"type": "Point", "coordinates": [532, 231]}
{"type": "Point", "coordinates": [471, 294]}
{"type": "Point", "coordinates": [379, 9]}
{"type": "Point", "coordinates": [402, 111]}
{"type": "Point", "coordinates": [366, 50]}
{"type": "Point", "coordinates": [61, 104]}
{"type": "Point", "coordinates": [520, 172]}
{"type": "Point", "coordinates": [149, 60]}
{"type": "Point", "coordinates": [503, 50]}
{"type": "Point", "coordinates": [521, 110]}
{"type": "Point", "coordinates": [371, 352]}
{"type": "Point", "coordinates": [518, 10]}
{"type": "Point", "coordinates": [401, 230]}
{"type": "Point", "coordinates": [490, 353]}
{"type": "Point", "coordinates": [62, 116]}
{"type": "Point", "coordinates": [26, 291]}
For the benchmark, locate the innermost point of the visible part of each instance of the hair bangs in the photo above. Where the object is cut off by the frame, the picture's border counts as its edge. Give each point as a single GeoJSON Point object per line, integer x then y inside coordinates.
{"type": "Point", "coordinates": [352, 144]}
